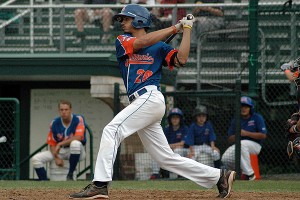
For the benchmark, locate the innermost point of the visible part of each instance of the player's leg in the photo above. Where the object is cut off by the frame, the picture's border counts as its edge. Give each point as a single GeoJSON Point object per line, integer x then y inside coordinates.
{"type": "Point", "coordinates": [39, 161]}
{"type": "Point", "coordinates": [76, 152]}
{"type": "Point", "coordinates": [134, 117]}
{"type": "Point", "coordinates": [157, 146]}
{"type": "Point", "coordinates": [248, 147]}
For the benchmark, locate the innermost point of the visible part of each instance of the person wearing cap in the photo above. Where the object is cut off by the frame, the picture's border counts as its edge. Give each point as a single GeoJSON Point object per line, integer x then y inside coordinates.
{"type": "Point", "coordinates": [201, 137]}
{"type": "Point", "coordinates": [253, 133]}
{"type": "Point", "coordinates": [175, 133]}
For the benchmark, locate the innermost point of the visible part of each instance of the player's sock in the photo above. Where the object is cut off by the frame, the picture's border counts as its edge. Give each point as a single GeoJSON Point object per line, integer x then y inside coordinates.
{"type": "Point", "coordinates": [74, 158]}
{"type": "Point", "coordinates": [100, 184]}
{"type": "Point", "coordinates": [42, 174]}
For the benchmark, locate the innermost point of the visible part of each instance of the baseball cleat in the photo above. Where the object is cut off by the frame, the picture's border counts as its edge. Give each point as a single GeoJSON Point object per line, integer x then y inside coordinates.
{"type": "Point", "coordinates": [91, 192]}
{"type": "Point", "coordinates": [225, 183]}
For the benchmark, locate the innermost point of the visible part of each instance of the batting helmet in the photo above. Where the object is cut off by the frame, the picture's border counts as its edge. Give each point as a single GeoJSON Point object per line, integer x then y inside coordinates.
{"type": "Point", "coordinates": [200, 110]}
{"type": "Point", "coordinates": [141, 16]}
{"type": "Point", "coordinates": [248, 102]}
{"type": "Point", "coordinates": [175, 111]}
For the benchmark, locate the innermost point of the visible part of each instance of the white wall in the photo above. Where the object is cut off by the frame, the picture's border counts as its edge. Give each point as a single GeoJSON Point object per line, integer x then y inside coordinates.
{"type": "Point", "coordinates": [44, 108]}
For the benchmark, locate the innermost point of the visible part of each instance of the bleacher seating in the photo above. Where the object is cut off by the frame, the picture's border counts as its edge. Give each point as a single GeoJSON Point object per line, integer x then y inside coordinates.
{"type": "Point", "coordinates": [224, 52]}
{"type": "Point", "coordinates": [44, 43]}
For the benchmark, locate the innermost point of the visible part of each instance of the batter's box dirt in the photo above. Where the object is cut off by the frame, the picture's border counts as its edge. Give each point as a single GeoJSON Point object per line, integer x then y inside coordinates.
{"type": "Point", "coordinates": [60, 194]}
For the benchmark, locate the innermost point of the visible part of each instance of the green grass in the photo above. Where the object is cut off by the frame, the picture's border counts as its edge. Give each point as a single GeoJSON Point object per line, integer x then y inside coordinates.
{"type": "Point", "coordinates": [254, 186]}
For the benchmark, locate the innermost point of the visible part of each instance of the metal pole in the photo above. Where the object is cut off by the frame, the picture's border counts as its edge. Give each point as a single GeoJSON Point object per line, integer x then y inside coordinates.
{"type": "Point", "coordinates": [31, 27]}
{"type": "Point", "coordinates": [62, 30]}
{"type": "Point", "coordinates": [238, 128]}
{"type": "Point", "coordinates": [293, 43]}
{"type": "Point", "coordinates": [253, 47]}
{"type": "Point", "coordinates": [50, 23]}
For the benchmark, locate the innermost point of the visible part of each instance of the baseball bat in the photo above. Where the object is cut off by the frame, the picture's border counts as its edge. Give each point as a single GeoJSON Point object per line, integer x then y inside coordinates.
{"type": "Point", "coordinates": [170, 38]}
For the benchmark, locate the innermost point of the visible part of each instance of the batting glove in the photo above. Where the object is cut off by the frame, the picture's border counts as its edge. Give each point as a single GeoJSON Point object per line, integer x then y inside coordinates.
{"type": "Point", "coordinates": [187, 22]}
{"type": "Point", "coordinates": [285, 66]}
{"type": "Point", "coordinates": [179, 28]}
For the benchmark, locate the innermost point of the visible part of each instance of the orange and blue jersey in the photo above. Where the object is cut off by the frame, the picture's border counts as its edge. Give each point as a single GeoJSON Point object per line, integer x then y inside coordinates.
{"type": "Point", "coordinates": [59, 132]}
{"type": "Point", "coordinates": [142, 68]}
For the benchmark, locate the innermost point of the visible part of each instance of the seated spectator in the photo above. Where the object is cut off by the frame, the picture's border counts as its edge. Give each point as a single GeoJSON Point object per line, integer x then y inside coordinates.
{"type": "Point", "coordinates": [175, 133]}
{"type": "Point", "coordinates": [164, 15]}
{"type": "Point", "coordinates": [253, 132]}
{"type": "Point", "coordinates": [66, 138]}
{"type": "Point", "coordinates": [201, 137]}
{"type": "Point", "coordinates": [84, 15]}
{"type": "Point", "coordinates": [207, 18]}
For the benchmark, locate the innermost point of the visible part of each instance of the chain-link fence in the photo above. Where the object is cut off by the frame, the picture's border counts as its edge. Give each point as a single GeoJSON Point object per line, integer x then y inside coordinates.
{"type": "Point", "coordinates": [9, 139]}
{"type": "Point", "coordinates": [224, 48]}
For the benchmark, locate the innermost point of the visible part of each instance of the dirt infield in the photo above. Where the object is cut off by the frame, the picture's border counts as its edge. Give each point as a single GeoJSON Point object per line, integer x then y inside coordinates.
{"type": "Point", "coordinates": [50, 194]}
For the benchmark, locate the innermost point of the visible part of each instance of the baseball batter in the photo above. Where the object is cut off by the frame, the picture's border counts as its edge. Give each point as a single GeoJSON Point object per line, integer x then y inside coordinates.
{"type": "Point", "coordinates": [140, 56]}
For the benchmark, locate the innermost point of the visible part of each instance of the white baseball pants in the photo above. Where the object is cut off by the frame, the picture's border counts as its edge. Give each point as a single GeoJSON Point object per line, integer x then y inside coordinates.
{"type": "Point", "coordinates": [144, 117]}
{"type": "Point", "coordinates": [247, 147]}
{"type": "Point", "coordinates": [41, 158]}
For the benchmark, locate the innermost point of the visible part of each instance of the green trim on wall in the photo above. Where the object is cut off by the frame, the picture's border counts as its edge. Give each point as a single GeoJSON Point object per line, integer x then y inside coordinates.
{"type": "Point", "coordinates": [104, 64]}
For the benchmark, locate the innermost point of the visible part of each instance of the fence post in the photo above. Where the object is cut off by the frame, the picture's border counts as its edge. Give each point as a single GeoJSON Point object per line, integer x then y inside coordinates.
{"type": "Point", "coordinates": [238, 128]}
{"type": "Point", "coordinates": [253, 47]}
{"type": "Point", "coordinates": [62, 30]}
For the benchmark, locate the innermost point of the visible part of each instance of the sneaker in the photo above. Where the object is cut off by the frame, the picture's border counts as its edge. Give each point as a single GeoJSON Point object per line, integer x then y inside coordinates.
{"type": "Point", "coordinates": [91, 192]}
{"type": "Point", "coordinates": [70, 177]}
{"type": "Point", "coordinates": [225, 183]}
{"type": "Point", "coordinates": [251, 177]}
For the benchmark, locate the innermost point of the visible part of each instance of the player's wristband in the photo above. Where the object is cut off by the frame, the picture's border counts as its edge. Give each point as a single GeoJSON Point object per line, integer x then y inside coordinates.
{"type": "Point", "coordinates": [174, 29]}
{"type": "Point", "coordinates": [295, 129]}
{"type": "Point", "coordinates": [187, 26]}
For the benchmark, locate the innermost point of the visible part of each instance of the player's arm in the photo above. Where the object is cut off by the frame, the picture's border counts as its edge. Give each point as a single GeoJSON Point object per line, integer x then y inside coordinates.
{"type": "Point", "coordinates": [152, 38]}
{"type": "Point", "coordinates": [177, 145]}
{"type": "Point", "coordinates": [192, 152]}
{"type": "Point", "coordinates": [254, 135]}
{"type": "Point", "coordinates": [212, 10]}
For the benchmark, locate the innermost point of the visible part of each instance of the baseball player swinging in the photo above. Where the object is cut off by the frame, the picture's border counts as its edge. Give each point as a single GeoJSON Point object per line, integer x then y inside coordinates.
{"type": "Point", "coordinates": [291, 71]}
{"type": "Point", "coordinates": [140, 56]}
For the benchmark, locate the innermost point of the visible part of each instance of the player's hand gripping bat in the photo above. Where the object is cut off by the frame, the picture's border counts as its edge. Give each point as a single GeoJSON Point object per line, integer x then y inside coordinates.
{"type": "Point", "coordinates": [170, 38]}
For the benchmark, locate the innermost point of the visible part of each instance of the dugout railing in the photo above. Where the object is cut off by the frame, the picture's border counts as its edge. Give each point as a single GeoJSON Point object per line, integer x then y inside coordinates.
{"type": "Point", "coordinates": [85, 166]}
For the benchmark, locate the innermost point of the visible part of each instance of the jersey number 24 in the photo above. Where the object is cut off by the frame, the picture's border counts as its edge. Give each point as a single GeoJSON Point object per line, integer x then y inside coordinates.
{"type": "Point", "coordinates": [142, 75]}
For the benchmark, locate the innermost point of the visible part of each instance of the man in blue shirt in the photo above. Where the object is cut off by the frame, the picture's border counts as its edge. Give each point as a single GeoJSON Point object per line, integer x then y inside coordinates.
{"type": "Point", "coordinates": [253, 133]}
